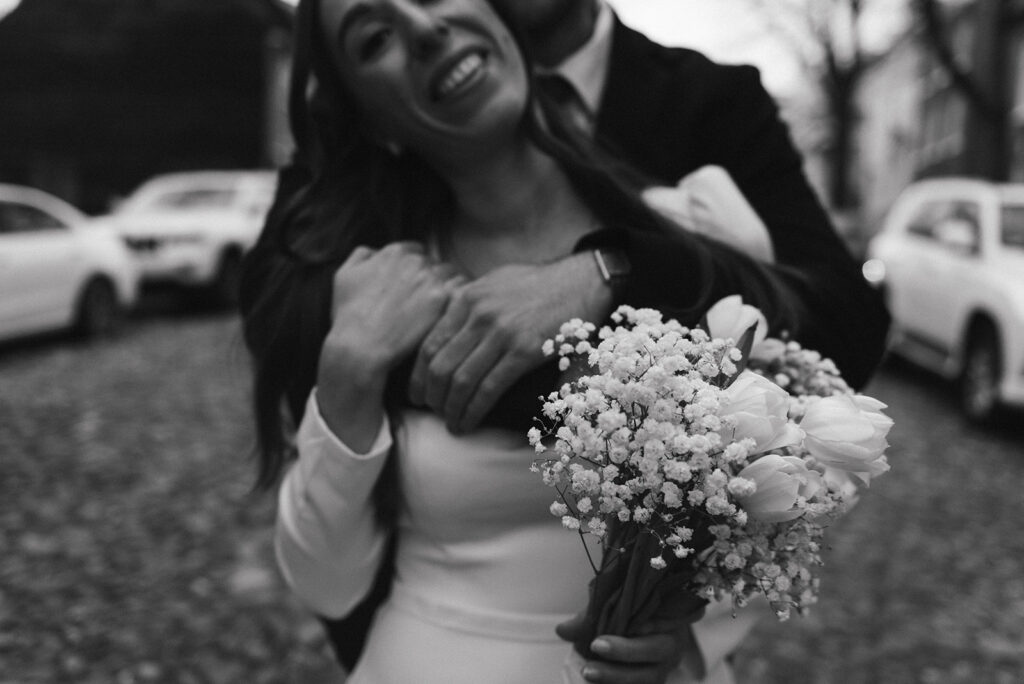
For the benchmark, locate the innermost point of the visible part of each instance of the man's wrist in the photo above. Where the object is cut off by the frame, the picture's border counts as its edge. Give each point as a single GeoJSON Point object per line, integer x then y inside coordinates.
{"type": "Point", "coordinates": [613, 266]}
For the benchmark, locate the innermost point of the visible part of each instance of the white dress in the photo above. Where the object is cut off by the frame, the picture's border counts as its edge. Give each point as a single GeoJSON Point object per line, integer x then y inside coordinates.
{"type": "Point", "coordinates": [484, 572]}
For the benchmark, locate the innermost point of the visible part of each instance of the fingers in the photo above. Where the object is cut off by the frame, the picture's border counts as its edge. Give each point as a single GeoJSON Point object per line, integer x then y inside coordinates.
{"type": "Point", "coordinates": [470, 409]}
{"type": "Point", "coordinates": [422, 374]}
{"type": "Point", "coordinates": [610, 673]}
{"type": "Point", "coordinates": [660, 649]}
{"type": "Point", "coordinates": [361, 253]}
{"type": "Point", "coordinates": [449, 361]}
{"type": "Point", "coordinates": [461, 376]}
{"type": "Point", "coordinates": [637, 660]}
{"type": "Point", "coordinates": [467, 376]}
{"type": "Point", "coordinates": [571, 629]}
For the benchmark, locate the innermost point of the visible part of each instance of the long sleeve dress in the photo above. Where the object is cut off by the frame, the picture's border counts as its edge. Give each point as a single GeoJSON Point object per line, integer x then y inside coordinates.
{"type": "Point", "coordinates": [483, 571]}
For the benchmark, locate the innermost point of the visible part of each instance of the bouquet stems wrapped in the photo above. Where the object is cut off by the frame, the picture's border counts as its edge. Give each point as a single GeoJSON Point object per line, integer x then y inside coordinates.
{"type": "Point", "coordinates": [627, 594]}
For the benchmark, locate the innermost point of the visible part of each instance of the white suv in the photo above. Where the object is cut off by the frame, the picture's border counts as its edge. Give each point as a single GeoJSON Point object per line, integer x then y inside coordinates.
{"type": "Point", "coordinates": [192, 228]}
{"type": "Point", "coordinates": [950, 260]}
{"type": "Point", "coordinates": [58, 271]}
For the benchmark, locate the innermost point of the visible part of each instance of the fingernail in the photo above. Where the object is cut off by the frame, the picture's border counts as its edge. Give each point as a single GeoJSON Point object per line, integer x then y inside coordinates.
{"type": "Point", "coordinates": [590, 673]}
{"type": "Point", "coordinates": [601, 646]}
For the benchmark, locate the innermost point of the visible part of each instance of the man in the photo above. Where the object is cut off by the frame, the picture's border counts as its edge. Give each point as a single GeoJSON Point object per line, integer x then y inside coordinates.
{"type": "Point", "coordinates": [668, 112]}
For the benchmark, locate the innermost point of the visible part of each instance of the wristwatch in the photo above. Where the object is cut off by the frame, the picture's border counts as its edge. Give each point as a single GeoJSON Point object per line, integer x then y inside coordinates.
{"type": "Point", "coordinates": [613, 265]}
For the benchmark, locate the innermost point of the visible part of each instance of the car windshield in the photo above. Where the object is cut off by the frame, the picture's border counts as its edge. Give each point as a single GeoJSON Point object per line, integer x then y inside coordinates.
{"type": "Point", "coordinates": [1013, 226]}
{"type": "Point", "coordinates": [186, 200]}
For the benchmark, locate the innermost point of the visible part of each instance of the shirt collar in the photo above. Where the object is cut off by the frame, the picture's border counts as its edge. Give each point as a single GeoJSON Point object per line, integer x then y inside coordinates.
{"type": "Point", "coordinates": [587, 68]}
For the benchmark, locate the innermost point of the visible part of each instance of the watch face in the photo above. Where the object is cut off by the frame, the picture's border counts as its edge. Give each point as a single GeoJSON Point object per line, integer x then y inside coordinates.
{"type": "Point", "coordinates": [612, 263]}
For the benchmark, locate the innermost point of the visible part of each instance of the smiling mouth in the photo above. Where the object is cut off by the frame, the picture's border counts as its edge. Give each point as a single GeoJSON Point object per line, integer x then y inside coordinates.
{"type": "Point", "coordinates": [459, 76]}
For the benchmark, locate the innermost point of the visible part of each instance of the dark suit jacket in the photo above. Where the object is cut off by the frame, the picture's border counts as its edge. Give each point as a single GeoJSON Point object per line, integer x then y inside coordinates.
{"type": "Point", "coordinates": [669, 112]}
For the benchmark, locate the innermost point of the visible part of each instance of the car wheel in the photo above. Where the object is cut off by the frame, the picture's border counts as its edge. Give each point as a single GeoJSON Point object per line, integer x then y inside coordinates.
{"type": "Point", "coordinates": [99, 312]}
{"type": "Point", "coordinates": [227, 283]}
{"type": "Point", "coordinates": [979, 381]}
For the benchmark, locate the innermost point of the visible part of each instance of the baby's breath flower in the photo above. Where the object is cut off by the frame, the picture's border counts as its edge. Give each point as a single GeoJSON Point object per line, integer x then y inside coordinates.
{"type": "Point", "coordinates": [733, 561]}
{"type": "Point", "coordinates": [652, 438]}
{"type": "Point", "coordinates": [641, 514]}
{"type": "Point", "coordinates": [671, 495]}
{"type": "Point", "coordinates": [741, 486]}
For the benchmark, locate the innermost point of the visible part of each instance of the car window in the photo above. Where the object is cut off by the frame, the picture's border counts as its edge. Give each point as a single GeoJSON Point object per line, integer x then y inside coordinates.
{"type": "Point", "coordinates": [926, 218]}
{"type": "Point", "coordinates": [1012, 233]}
{"type": "Point", "coordinates": [22, 218]}
{"type": "Point", "coordinates": [954, 224]}
{"type": "Point", "coordinates": [197, 198]}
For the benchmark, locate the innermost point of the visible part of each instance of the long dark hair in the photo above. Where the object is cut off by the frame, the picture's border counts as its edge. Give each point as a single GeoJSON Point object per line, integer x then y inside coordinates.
{"type": "Point", "coordinates": [346, 191]}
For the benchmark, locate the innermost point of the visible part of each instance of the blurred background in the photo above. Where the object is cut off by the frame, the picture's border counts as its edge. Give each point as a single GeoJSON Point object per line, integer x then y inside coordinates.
{"type": "Point", "coordinates": [138, 140]}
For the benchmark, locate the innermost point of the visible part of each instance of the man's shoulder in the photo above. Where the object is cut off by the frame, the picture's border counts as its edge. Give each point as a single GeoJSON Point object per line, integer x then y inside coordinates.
{"type": "Point", "coordinates": [687, 68]}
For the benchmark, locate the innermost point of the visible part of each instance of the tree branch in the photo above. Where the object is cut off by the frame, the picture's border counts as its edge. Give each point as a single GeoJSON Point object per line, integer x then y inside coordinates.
{"type": "Point", "coordinates": [942, 47]}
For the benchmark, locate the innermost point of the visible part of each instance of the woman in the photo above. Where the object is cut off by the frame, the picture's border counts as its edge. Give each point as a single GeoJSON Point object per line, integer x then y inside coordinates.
{"type": "Point", "coordinates": [422, 135]}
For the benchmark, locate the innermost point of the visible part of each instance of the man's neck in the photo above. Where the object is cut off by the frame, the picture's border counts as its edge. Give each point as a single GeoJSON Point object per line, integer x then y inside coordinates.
{"type": "Point", "coordinates": [553, 43]}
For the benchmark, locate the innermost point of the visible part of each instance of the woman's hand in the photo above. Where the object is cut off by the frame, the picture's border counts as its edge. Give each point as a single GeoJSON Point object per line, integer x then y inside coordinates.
{"type": "Point", "coordinates": [384, 303]}
{"type": "Point", "coordinates": [649, 658]}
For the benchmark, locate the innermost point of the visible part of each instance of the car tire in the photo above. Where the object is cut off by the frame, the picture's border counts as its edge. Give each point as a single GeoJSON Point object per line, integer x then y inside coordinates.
{"type": "Point", "coordinates": [99, 312]}
{"type": "Point", "coordinates": [980, 377]}
{"type": "Point", "coordinates": [227, 283]}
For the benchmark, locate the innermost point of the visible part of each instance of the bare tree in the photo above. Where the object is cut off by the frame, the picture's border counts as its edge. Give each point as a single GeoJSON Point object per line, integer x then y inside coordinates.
{"type": "Point", "coordinates": [980, 77]}
{"type": "Point", "coordinates": [827, 36]}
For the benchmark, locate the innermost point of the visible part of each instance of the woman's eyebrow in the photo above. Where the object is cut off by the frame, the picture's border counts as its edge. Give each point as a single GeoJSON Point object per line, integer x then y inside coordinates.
{"type": "Point", "coordinates": [354, 14]}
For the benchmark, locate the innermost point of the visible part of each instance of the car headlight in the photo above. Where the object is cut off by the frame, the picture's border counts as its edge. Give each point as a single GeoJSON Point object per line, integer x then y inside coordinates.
{"type": "Point", "coordinates": [873, 271]}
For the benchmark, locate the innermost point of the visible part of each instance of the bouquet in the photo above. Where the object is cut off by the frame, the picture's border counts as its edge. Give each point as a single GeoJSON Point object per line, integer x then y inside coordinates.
{"type": "Point", "coordinates": [707, 460]}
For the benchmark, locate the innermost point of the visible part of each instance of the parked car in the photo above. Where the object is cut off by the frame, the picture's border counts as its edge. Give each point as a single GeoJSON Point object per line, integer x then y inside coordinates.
{"type": "Point", "coordinates": [950, 260]}
{"type": "Point", "coordinates": [191, 229]}
{"type": "Point", "coordinates": [58, 271]}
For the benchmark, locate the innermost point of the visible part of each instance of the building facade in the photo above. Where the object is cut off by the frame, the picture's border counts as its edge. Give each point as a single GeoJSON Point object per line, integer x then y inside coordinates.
{"type": "Point", "coordinates": [98, 95]}
{"type": "Point", "coordinates": [917, 121]}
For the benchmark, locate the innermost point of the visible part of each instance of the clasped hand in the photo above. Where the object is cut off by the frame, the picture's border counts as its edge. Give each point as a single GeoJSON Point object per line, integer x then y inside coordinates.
{"type": "Point", "coordinates": [491, 333]}
{"type": "Point", "coordinates": [648, 658]}
{"type": "Point", "coordinates": [472, 339]}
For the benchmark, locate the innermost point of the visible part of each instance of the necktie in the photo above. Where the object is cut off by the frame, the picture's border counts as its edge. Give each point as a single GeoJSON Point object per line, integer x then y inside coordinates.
{"type": "Point", "coordinates": [568, 99]}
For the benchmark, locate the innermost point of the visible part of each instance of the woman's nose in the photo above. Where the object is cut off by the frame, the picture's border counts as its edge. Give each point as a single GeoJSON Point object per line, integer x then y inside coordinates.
{"type": "Point", "coordinates": [428, 31]}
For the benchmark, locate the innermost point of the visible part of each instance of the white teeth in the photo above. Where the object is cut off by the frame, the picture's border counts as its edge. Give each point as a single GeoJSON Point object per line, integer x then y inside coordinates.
{"type": "Point", "coordinates": [460, 72]}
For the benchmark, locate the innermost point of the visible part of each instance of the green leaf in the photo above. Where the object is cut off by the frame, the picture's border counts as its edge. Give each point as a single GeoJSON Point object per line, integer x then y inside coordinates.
{"type": "Point", "coordinates": [744, 344]}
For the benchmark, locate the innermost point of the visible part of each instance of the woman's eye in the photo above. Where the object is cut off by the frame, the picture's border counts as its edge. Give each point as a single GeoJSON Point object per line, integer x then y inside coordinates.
{"type": "Point", "coordinates": [373, 43]}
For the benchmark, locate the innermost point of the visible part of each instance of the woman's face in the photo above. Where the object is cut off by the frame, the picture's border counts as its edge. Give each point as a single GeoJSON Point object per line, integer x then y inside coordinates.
{"type": "Point", "coordinates": [431, 75]}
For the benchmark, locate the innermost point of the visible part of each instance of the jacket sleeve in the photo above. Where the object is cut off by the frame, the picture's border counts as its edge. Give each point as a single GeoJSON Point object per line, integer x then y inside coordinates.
{"type": "Point", "coordinates": [814, 290]}
{"type": "Point", "coordinates": [328, 541]}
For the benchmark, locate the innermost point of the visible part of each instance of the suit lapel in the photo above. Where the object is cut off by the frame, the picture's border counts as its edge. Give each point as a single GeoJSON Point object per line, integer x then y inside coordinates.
{"type": "Point", "coordinates": [645, 91]}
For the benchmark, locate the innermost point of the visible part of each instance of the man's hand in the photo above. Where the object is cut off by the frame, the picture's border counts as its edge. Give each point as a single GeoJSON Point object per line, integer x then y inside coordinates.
{"type": "Point", "coordinates": [492, 331]}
